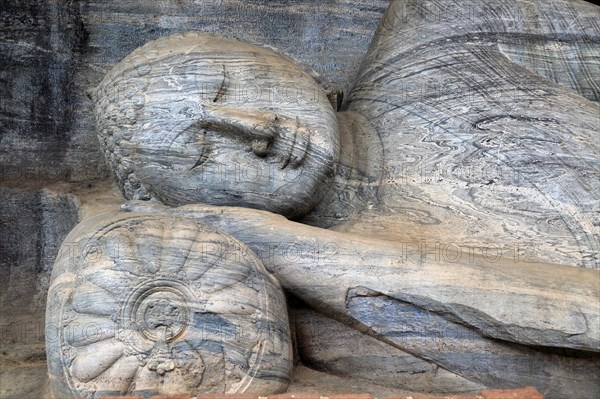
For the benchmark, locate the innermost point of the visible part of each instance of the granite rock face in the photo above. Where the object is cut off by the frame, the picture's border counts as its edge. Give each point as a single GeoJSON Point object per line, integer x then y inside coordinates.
{"type": "Point", "coordinates": [33, 224]}
{"type": "Point", "coordinates": [40, 97]}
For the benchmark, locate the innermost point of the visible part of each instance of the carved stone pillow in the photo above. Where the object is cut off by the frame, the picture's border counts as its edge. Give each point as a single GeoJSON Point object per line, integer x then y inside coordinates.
{"type": "Point", "coordinates": [148, 304]}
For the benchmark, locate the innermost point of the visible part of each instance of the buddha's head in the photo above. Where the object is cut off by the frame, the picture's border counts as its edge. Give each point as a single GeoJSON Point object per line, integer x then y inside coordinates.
{"type": "Point", "coordinates": [197, 118]}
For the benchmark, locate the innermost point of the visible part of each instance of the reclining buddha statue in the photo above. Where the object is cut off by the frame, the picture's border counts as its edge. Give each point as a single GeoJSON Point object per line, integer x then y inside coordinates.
{"type": "Point", "coordinates": [444, 225]}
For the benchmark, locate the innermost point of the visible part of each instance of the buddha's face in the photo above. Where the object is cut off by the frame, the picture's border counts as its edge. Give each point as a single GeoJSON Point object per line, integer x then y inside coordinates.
{"type": "Point", "coordinates": [196, 118]}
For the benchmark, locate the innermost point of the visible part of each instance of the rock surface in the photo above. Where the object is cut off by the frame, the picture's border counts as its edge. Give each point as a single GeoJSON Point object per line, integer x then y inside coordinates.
{"type": "Point", "coordinates": [33, 223]}
{"type": "Point", "coordinates": [323, 344]}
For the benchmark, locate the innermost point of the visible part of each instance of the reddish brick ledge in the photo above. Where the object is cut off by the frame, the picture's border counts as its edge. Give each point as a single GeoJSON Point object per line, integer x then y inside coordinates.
{"type": "Point", "coordinates": [522, 393]}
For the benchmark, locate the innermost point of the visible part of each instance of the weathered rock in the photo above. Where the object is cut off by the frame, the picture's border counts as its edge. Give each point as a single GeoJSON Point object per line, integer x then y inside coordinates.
{"type": "Point", "coordinates": [147, 304]}
{"type": "Point", "coordinates": [39, 105]}
{"type": "Point", "coordinates": [463, 350]}
{"type": "Point", "coordinates": [33, 223]}
{"type": "Point", "coordinates": [323, 345]}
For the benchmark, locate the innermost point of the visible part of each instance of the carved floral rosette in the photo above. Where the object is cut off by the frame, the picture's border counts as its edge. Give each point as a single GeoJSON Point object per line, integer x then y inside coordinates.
{"type": "Point", "coordinates": [150, 304]}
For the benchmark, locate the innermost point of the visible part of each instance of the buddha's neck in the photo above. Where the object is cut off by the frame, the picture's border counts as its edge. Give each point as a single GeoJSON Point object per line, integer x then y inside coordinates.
{"type": "Point", "coordinates": [358, 175]}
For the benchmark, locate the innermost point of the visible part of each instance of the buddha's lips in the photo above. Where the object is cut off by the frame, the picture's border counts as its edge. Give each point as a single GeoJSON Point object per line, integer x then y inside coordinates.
{"type": "Point", "coordinates": [298, 148]}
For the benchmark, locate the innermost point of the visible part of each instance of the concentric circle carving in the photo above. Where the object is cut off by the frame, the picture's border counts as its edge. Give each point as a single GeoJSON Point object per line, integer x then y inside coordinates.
{"type": "Point", "coordinates": [155, 311]}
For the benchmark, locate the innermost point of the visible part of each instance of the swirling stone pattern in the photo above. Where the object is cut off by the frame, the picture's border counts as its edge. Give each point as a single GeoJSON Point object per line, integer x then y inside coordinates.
{"type": "Point", "coordinates": [487, 118]}
{"type": "Point", "coordinates": [150, 304]}
{"type": "Point", "coordinates": [194, 117]}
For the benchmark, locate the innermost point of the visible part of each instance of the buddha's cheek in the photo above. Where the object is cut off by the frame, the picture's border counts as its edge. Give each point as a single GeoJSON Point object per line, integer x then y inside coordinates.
{"type": "Point", "coordinates": [225, 176]}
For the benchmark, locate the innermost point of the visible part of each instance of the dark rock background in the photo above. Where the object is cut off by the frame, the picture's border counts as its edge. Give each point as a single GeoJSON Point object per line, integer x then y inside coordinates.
{"type": "Point", "coordinates": [52, 52]}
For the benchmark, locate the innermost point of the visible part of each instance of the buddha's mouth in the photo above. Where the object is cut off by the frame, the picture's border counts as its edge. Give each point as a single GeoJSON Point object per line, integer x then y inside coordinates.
{"type": "Point", "coordinates": [298, 146]}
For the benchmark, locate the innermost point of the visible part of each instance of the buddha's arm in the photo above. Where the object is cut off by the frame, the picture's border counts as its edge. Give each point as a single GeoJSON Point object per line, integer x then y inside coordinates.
{"type": "Point", "coordinates": [535, 304]}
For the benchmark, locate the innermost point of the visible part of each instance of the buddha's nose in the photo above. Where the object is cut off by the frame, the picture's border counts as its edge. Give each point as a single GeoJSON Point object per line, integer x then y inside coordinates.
{"type": "Point", "coordinates": [261, 129]}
